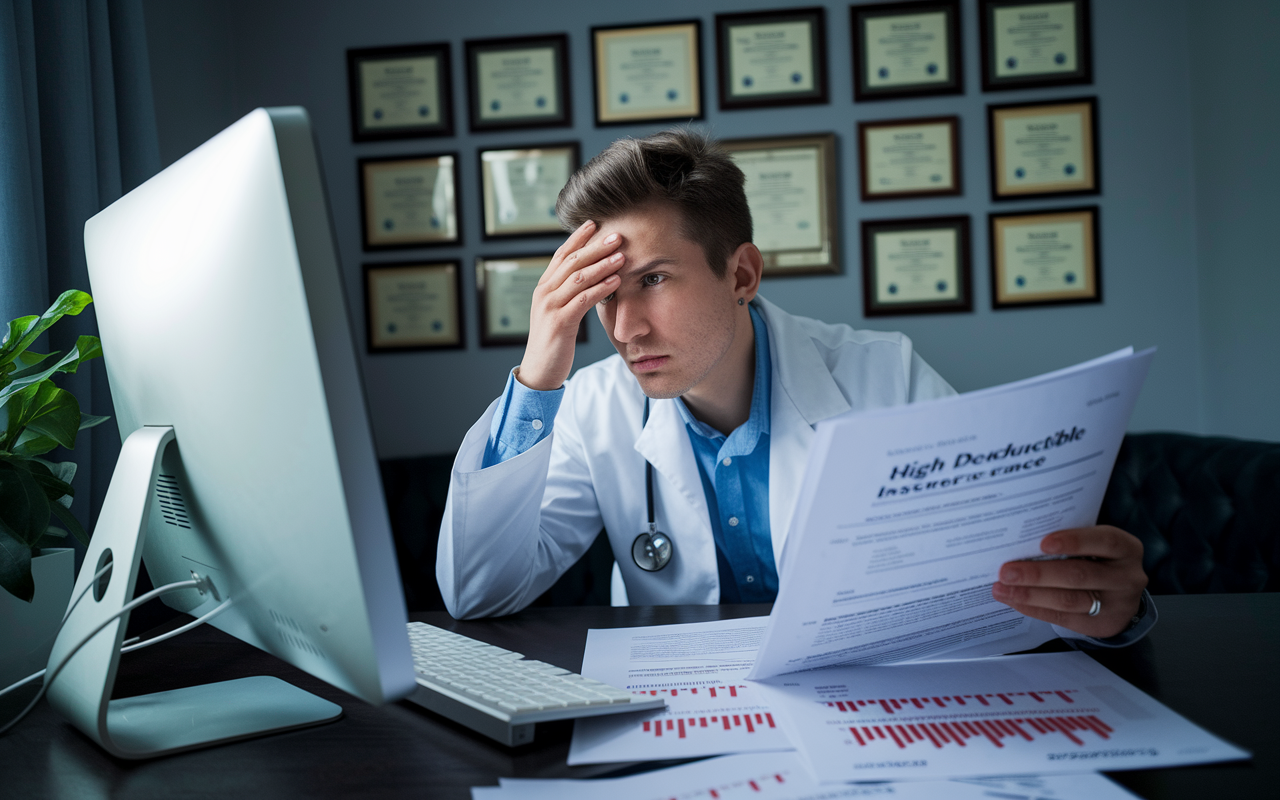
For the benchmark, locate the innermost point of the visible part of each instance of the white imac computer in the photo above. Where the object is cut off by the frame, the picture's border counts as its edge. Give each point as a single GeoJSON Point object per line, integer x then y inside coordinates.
{"type": "Point", "coordinates": [248, 460]}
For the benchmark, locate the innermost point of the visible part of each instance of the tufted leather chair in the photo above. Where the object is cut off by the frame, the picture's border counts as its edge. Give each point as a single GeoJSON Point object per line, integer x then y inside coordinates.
{"type": "Point", "coordinates": [1207, 510]}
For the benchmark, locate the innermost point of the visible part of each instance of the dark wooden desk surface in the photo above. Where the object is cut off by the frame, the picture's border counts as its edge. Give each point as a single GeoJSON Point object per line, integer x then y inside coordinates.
{"type": "Point", "coordinates": [1213, 658]}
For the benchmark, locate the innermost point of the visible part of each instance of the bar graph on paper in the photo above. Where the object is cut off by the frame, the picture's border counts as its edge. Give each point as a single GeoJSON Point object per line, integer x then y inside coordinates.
{"type": "Point", "coordinates": [995, 719]}
{"type": "Point", "coordinates": [698, 721]}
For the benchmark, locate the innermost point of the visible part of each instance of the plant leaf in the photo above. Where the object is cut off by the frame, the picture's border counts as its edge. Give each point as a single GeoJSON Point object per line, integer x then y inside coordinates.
{"type": "Point", "coordinates": [46, 410]}
{"type": "Point", "coordinates": [54, 489]}
{"type": "Point", "coordinates": [56, 414]}
{"type": "Point", "coordinates": [64, 471]}
{"type": "Point", "coordinates": [91, 421]}
{"type": "Point", "coordinates": [17, 328]}
{"type": "Point", "coordinates": [69, 303]}
{"type": "Point", "coordinates": [67, 363]}
{"type": "Point", "coordinates": [24, 507]}
{"type": "Point", "coordinates": [65, 516]}
{"type": "Point", "coordinates": [15, 566]}
{"type": "Point", "coordinates": [33, 444]}
{"type": "Point", "coordinates": [32, 365]}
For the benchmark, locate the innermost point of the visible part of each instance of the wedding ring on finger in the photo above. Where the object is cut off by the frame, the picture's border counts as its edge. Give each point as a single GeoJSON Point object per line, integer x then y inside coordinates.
{"type": "Point", "coordinates": [1097, 605]}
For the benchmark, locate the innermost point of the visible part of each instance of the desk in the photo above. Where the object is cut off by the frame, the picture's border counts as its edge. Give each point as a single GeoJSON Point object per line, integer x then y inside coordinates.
{"type": "Point", "coordinates": [1213, 658]}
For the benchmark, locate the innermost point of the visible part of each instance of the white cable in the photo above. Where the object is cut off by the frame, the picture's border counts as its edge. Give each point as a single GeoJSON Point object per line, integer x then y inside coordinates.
{"type": "Point", "coordinates": [126, 608]}
{"type": "Point", "coordinates": [70, 608]}
{"type": "Point", "coordinates": [176, 631]}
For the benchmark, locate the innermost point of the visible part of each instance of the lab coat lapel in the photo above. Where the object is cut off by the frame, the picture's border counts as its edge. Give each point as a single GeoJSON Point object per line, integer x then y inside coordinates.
{"type": "Point", "coordinates": [803, 394]}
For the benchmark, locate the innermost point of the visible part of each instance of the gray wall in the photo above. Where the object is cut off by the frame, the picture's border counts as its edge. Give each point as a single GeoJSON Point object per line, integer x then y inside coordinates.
{"type": "Point", "coordinates": [1235, 89]}
{"type": "Point", "coordinates": [216, 61]}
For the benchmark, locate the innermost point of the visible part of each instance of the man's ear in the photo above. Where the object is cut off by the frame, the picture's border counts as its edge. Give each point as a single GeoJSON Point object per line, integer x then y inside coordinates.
{"type": "Point", "coordinates": [746, 266]}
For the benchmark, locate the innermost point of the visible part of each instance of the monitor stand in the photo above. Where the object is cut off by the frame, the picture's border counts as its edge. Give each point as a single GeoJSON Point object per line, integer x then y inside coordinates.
{"type": "Point", "coordinates": [165, 722]}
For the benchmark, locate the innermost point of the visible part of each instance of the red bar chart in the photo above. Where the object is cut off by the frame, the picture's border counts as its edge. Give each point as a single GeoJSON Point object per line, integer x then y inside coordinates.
{"type": "Point", "coordinates": [681, 727]}
{"type": "Point", "coordinates": [961, 733]}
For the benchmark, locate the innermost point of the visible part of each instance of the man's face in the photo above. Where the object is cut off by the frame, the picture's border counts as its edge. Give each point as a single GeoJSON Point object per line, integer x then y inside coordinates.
{"type": "Point", "coordinates": [671, 319]}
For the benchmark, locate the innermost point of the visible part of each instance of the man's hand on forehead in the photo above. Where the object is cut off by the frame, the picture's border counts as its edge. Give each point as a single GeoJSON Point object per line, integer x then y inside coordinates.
{"type": "Point", "coordinates": [582, 273]}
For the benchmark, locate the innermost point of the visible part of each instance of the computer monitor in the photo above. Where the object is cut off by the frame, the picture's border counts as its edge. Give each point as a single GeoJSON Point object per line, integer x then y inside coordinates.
{"type": "Point", "coordinates": [248, 457]}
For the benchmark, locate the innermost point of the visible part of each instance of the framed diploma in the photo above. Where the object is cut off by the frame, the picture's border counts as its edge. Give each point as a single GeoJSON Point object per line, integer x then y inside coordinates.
{"type": "Point", "coordinates": [1043, 149]}
{"type": "Point", "coordinates": [505, 287]}
{"type": "Point", "coordinates": [1030, 44]}
{"type": "Point", "coordinates": [400, 92]}
{"type": "Point", "coordinates": [906, 49]}
{"type": "Point", "coordinates": [903, 158]}
{"type": "Point", "coordinates": [414, 306]}
{"type": "Point", "coordinates": [791, 190]}
{"type": "Point", "coordinates": [409, 201]}
{"type": "Point", "coordinates": [1045, 258]}
{"type": "Point", "coordinates": [519, 187]}
{"type": "Point", "coordinates": [518, 83]}
{"type": "Point", "coordinates": [916, 266]}
{"type": "Point", "coordinates": [647, 72]}
{"type": "Point", "coordinates": [772, 58]}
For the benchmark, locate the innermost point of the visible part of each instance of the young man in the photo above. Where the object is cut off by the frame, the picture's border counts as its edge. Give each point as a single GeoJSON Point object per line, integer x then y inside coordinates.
{"type": "Point", "coordinates": [713, 388]}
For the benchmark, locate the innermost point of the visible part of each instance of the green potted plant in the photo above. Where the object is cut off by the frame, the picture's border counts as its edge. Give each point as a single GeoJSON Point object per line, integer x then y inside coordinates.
{"type": "Point", "coordinates": [36, 417]}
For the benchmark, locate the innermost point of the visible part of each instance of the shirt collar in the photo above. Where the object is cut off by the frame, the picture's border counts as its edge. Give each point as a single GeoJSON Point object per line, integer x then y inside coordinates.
{"type": "Point", "coordinates": [746, 435]}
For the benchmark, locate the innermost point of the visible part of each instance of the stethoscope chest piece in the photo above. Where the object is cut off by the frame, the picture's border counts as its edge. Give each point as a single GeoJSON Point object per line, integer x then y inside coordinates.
{"type": "Point", "coordinates": [651, 550]}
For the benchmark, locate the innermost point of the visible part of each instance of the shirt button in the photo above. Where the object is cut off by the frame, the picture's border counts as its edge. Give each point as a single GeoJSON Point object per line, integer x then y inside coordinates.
{"type": "Point", "coordinates": [751, 579]}
{"type": "Point", "coordinates": [537, 424]}
{"type": "Point", "coordinates": [733, 522]}
{"type": "Point", "coordinates": [727, 461]}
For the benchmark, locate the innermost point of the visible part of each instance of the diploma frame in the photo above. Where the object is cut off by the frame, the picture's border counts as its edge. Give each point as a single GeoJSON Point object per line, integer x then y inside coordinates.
{"type": "Point", "coordinates": [867, 190]}
{"type": "Point", "coordinates": [488, 338]}
{"type": "Point", "coordinates": [1090, 290]}
{"type": "Point", "coordinates": [567, 151]}
{"type": "Point", "coordinates": [366, 210]}
{"type": "Point", "coordinates": [373, 321]}
{"type": "Point", "coordinates": [998, 149]}
{"type": "Point", "coordinates": [444, 90]}
{"type": "Point", "coordinates": [991, 82]}
{"type": "Point", "coordinates": [557, 43]}
{"type": "Point", "coordinates": [863, 91]}
{"type": "Point", "coordinates": [691, 84]}
{"type": "Point", "coordinates": [725, 24]}
{"type": "Point", "coordinates": [873, 306]}
{"type": "Point", "coordinates": [828, 194]}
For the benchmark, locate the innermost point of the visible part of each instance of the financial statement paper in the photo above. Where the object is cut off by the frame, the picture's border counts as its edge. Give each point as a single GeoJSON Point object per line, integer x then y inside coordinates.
{"type": "Point", "coordinates": [906, 514]}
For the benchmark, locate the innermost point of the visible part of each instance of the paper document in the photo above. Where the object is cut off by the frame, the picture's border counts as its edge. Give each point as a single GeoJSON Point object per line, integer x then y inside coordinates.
{"type": "Point", "coordinates": [781, 776]}
{"type": "Point", "coordinates": [907, 513]}
{"type": "Point", "coordinates": [698, 668]}
{"type": "Point", "coordinates": [1037, 714]}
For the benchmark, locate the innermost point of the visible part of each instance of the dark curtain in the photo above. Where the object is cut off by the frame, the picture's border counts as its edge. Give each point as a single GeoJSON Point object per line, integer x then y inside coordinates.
{"type": "Point", "coordinates": [77, 130]}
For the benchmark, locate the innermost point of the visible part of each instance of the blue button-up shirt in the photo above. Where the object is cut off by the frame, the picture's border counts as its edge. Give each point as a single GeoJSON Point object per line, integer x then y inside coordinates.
{"type": "Point", "coordinates": [735, 479]}
{"type": "Point", "coordinates": [734, 471]}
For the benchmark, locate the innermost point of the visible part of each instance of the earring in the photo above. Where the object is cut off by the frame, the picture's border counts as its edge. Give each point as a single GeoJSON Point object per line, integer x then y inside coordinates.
{"type": "Point", "coordinates": [741, 301]}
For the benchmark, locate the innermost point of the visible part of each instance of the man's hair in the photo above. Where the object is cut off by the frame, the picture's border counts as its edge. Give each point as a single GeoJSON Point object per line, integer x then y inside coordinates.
{"type": "Point", "coordinates": [680, 168]}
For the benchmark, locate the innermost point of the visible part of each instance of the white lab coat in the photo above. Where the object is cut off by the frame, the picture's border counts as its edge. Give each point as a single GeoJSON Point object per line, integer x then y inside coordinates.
{"type": "Point", "coordinates": [510, 530]}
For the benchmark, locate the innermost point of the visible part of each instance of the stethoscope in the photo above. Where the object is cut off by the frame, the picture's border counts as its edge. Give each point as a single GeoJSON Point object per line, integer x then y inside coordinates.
{"type": "Point", "coordinates": [652, 549]}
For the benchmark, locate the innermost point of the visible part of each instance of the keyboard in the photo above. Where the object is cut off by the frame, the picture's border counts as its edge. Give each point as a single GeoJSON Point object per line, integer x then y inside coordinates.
{"type": "Point", "coordinates": [500, 693]}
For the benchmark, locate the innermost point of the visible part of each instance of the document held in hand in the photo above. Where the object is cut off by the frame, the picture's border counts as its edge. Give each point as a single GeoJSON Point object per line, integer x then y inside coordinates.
{"type": "Point", "coordinates": [907, 513]}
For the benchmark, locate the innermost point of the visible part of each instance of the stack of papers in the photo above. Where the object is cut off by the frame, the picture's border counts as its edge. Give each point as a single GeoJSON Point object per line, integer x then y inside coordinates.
{"type": "Point", "coordinates": [876, 663]}
{"type": "Point", "coordinates": [781, 776]}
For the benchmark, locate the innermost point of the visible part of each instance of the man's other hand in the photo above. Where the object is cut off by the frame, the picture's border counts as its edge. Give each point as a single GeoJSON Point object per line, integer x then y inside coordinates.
{"type": "Point", "coordinates": [1103, 563]}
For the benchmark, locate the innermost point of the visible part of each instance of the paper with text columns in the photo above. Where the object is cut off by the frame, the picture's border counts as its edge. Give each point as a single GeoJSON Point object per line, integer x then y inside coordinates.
{"type": "Point", "coordinates": [906, 515]}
